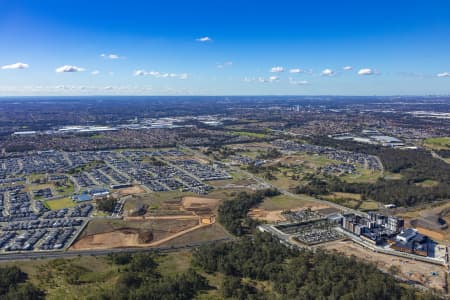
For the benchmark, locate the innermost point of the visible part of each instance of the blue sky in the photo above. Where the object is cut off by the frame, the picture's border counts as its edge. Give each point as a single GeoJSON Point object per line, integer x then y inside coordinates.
{"type": "Point", "coordinates": [221, 47]}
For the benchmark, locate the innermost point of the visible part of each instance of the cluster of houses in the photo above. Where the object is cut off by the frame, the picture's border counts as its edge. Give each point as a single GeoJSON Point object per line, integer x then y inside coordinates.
{"type": "Point", "coordinates": [43, 193]}
{"type": "Point", "coordinates": [92, 169]}
{"type": "Point", "coordinates": [50, 230]}
{"type": "Point", "coordinates": [339, 169]}
{"type": "Point", "coordinates": [26, 227]}
{"type": "Point", "coordinates": [238, 160]}
{"type": "Point", "coordinates": [26, 224]}
{"type": "Point", "coordinates": [365, 160]}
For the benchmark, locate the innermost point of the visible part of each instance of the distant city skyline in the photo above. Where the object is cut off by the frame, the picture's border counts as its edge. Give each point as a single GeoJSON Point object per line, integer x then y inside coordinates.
{"type": "Point", "coordinates": [224, 48]}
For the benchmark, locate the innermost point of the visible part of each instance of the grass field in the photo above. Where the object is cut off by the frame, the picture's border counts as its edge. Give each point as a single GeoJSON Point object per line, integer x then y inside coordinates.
{"type": "Point", "coordinates": [213, 232]}
{"type": "Point", "coordinates": [98, 136]}
{"type": "Point", "coordinates": [60, 203]}
{"type": "Point", "coordinates": [250, 134]}
{"type": "Point", "coordinates": [238, 179]}
{"type": "Point", "coordinates": [364, 175]}
{"type": "Point", "coordinates": [56, 277]}
{"type": "Point", "coordinates": [428, 183]}
{"type": "Point", "coordinates": [369, 205]}
{"type": "Point", "coordinates": [77, 278]}
{"type": "Point", "coordinates": [346, 199]}
{"type": "Point", "coordinates": [346, 195]}
{"type": "Point", "coordinates": [392, 176]}
{"type": "Point", "coordinates": [440, 143]}
{"type": "Point", "coordinates": [282, 202]}
{"type": "Point", "coordinates": [34, 187]}
{"type": "Point", "coordinates": [68, 189]}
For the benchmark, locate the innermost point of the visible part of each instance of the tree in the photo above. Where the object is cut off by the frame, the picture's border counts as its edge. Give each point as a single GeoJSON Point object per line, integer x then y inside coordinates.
{"type": "Point", "coordinates": [106, 204]}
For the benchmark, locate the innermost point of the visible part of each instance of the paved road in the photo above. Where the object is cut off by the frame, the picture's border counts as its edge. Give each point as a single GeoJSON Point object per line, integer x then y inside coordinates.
{"type": "Point", "coordinates": [283, 191]}
{"type": "Point", "coordinates": [75, 253]}
{"type": "Point", "coordinates": [435, 155]}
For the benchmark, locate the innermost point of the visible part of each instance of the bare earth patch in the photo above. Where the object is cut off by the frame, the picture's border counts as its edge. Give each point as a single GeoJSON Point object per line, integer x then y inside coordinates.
{"type": "Point", "coordinates": [262, 214]}
{"type": "Point", "coordinates": [142, 233]}
{"type": "Point", "coordinates": [194, 202]}
{"type": "Point", "coordinates": [435, 235]}
{"type": "Point", "coordinates": [429, 275]}
{"type": "Point", "coordinates": [115, 239]}
{"type": "Point", "coordinates": [266, 215]}
{"type": "Point", "coordinates": [136, 189]}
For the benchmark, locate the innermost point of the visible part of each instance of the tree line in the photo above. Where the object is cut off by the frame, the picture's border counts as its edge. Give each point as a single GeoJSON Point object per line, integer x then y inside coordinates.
{"type": "Point", "coordinates": [414, 166]}
{"type": "Point", "coordinates": [251, 267]}
{"type": "Point", "coordinates": [14, 285]}
{"type": "Point", "coordinates": [294, 274]}
{"type": "Point", "coordinates": [140, 280]}
{"type": "Point", "coordinates": [232, 214]}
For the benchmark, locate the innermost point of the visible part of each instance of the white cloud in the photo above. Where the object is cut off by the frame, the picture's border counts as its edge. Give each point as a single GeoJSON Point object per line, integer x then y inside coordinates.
{"type": "Point", "coordinates": [110, 56]}
{"type": "Point", "coordinates": [298, 82]}
{"type": "Point", "coordinates": [77, 90]}
{"type": "Point", "coordinates": [366, 71]}
{"type": "Point", "coordinates": [295, 71]}
{"type": "Point", "coordinates": [139, 73]}
{"type": "Point", "coordinates": [95, 72]}
{"type": "Point", "coordinates": [277, 69]}
{"type": "Point", "coordinates": [157, 74]}
{"type": "Point", "coordinates": [327, 72]}
{"type": "Point", "coordinates": [347, 68]}
{"type": "Point", "coordinates": [15, 66]}
{"type": "Point", "coordinates": [204, 39]}
{"type": "Point", "coordinates": [262, 79]}
{"type": "Point", "coordinates": [225, 64]}
{"type": "Point", "coordinates": [68, 69]}
{"type": "Point", "coordinates": [443, 74]}
{"type": "Point", "coordinates": [273, 78]}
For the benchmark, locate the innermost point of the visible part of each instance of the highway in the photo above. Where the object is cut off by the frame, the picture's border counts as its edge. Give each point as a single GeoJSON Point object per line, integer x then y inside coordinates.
{"type": "Point", "coordinates": [75, 253]}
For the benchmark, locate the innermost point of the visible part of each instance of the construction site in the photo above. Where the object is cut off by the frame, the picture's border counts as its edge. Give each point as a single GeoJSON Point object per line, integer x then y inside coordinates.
{"type": "Point", "coordinates": [144, 226]}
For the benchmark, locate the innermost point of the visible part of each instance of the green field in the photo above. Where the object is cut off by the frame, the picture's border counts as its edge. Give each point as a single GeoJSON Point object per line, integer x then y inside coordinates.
{"type": "Point", "coordinates": [369, 205]}
{"type": "Point", "coordinates": [428, 183]}
{"type": "Point", "coordinates": [282, 202]}
{"type": "Point", "coordinates": [82, 277]}
{"type": "Point", "coordinates": [60, 203]}
{"type": "Point", "coordinates": [441, 143]}
{"type": "Point", "coordinates": [298, 165]}
{"type": "Point", "coordinates": [250, 134]}
{"type": "Point", "coordinates": [364, 175]}
{"type": "Point", "coordinates": [98, 136]}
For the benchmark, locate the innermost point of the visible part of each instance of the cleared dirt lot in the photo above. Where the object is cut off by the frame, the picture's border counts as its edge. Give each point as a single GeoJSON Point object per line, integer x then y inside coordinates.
{"type": "Point", "coordinates": [193, 203]}
{"type": "Point", "coordinates": [106, 234]}
{"type": "Point", "coordinates": [115, 239]}
{"type": "Point", "coordinates": [266, 215]}
{"type": "Point", "coordinates": [430, 275]}
{"type": "Point", "coordinates": [431, 221]}
{"type": "Point", "coordinates": [435, 235]}
{"type": "Point", "coordinates": [134, 190]}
